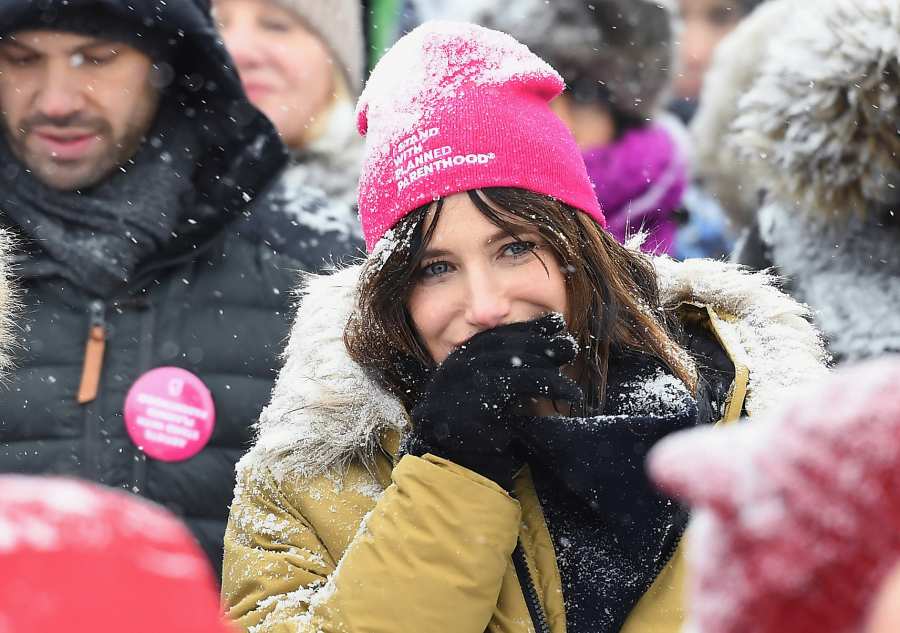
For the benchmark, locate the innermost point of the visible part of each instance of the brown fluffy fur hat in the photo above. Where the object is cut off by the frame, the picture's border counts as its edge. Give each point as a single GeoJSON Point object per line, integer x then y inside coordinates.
{"type": "Point", "coordinates": [616, 50]}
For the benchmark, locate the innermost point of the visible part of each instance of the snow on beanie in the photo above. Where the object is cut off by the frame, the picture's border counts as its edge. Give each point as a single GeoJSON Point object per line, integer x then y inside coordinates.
{"type": "Point", "coordinates": [81, 558]}
{"type": "Point", "coordinates": [453, 107]}
{"type": "Point", "coordinates": [796, 517]}
{"type": "Point", "coordinates": [339, 25]}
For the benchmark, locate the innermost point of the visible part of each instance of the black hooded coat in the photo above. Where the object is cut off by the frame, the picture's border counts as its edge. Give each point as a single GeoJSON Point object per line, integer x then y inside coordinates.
{"type": "Point", "coordinates": [215, 299]}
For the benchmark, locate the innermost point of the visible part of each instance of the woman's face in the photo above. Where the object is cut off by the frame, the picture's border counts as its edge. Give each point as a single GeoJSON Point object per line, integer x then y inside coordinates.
{"type": "Point", "coordinates": [705, 23]}
{"type": "Point", "coordinates": [287, 71]}
{"type": "Point", "coordinates": [475, 277]}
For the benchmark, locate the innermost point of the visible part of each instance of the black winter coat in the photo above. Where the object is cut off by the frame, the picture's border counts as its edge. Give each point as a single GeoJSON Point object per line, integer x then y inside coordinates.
{"type": "Point", "coordinates": [222, 316]}
{"type": "Point", "coordinates": [216, 301]}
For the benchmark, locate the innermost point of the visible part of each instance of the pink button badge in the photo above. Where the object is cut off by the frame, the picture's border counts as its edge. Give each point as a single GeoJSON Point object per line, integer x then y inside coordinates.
{"type": "Point", "coordinates": [170, 414]}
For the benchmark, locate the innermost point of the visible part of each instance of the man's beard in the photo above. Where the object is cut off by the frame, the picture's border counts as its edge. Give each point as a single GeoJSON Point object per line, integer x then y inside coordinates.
{"type": "Point", "coordinates": [80, 174]}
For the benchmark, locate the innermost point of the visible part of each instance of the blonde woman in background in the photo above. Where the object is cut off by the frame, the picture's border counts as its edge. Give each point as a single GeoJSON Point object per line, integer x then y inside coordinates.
{"type": "Point", "coordinates": [302, 63]}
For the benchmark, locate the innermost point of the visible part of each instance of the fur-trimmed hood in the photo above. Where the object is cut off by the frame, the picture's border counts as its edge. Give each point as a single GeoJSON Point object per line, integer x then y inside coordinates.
{"type": "Point", "coordinates": [817, 130]}
{"type": "Point", "coordinates": [819, 123]}
{"type": "Point", "coordinates": [7, 304]}
{"type": "Point", "coordinates": [325, 410]}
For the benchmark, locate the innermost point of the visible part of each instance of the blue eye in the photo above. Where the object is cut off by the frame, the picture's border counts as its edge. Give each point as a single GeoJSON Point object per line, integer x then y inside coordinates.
{"type": "Point", "coordinates": [435, 269]}
{"type": "Point", "coordinates": [518, 249]}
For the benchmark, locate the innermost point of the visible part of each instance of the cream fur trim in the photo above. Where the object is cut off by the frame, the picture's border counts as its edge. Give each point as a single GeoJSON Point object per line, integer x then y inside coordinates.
{"type": "Point", "coordinates": [325, 411]}
{"type": "Point", "coordinates": [765, 329]}
{"type": "Point", "coordinates": [8, 302]}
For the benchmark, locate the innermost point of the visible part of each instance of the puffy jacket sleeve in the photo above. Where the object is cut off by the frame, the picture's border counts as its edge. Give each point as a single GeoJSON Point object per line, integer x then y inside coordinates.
{"type": "Point", "coordinates": [432, 551]}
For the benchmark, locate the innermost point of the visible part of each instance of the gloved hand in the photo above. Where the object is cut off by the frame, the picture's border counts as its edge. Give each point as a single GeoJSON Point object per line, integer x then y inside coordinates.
{"type": "Point", "coordinates": [462, 414]}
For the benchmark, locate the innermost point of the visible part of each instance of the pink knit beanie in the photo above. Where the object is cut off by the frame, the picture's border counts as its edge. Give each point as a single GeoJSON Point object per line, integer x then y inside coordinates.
{"type": "Point", "coordinates": [796, 516]}
{"type": "Point", "coordinates": [454, 107]}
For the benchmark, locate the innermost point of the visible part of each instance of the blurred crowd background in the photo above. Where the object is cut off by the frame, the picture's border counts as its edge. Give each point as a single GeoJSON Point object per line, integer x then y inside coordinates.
{"type": "Point", "coordinates": [722, 129]}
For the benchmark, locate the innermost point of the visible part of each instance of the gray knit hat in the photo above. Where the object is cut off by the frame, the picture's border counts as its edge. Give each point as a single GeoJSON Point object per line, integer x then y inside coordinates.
{"type": "Point", "coordinates": [339, 24]}
{"type": "Point", "coordinates": [617, 50]}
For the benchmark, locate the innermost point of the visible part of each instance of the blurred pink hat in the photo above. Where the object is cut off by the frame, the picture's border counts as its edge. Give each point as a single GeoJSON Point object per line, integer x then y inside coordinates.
{"type": "Point", "coordinates": [796, 517]}
{"type": "Point", "coordinates": [81, 558]}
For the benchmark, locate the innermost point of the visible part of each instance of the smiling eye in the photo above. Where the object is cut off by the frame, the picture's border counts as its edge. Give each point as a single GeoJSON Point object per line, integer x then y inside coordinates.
{"type": "Point", "coordinates": [275, 25]}
{"type": "Point", "coordinates": [518, 249]}
{"type": "Point", "coordinates": [435, 269]}
{"type": "Point", "coordinates": [96, 57]}
{"type": "Point", "coordinates": [20, 59]}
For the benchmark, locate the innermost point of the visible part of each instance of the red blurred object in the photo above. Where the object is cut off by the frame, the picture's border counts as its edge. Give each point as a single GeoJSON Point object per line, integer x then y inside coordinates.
{"type": "Point", "coordinates": [796, 515]}
{"type": "Point", "coordinates": [78, 557]}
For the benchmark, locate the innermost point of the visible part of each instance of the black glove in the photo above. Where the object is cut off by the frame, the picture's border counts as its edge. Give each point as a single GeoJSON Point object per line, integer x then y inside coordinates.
{"type": "Point", "coordinates": [462, 415]}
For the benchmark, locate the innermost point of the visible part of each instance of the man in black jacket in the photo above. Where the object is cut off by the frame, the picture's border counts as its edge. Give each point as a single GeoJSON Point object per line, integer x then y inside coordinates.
{"type": "Point", "coordinates": [154, 267]}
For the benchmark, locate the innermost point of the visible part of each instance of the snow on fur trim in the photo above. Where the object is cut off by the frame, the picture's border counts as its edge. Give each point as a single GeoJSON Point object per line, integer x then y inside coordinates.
{"type": "Point", "coordinates": [7, 304]}
{"type": "Point", "coordinates": [736, 66]}
{"type": "Point", "coordinates": [821, 120]}
{"type": "Point", "coordinates": [770, 333]}
{"type": "Point", "coordinates": [326, 411]}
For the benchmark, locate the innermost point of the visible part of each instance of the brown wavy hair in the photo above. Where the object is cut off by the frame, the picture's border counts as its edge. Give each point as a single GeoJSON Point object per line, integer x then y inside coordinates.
{"type": "Point", "coordinates": [612, 291]}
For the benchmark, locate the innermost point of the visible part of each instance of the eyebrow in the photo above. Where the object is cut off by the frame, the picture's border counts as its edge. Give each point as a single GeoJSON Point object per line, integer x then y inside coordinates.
{"type": "Point", "coordinates": [497, 235]}
{"type": "Point", "coordinates": [11, 41]}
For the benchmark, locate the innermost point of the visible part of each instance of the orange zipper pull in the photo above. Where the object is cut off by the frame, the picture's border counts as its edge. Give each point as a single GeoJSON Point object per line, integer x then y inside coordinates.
{"type": "Point", "coordinates": [93, 355]}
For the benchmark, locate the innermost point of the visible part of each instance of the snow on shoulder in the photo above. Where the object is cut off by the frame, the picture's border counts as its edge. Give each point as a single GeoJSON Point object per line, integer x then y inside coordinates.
{"type": "Point", "coordinates": [804, 497]}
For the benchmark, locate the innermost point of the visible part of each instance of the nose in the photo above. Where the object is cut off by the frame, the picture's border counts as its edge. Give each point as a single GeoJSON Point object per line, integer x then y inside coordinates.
{"type": "Point", "coordinates": [243, 45]}
{"type": "Point", "coordinates": [487, 304]}
{"type": "Point", "coordinates": [696, 46]}
{"type": "Point", "coordinates": [61, 93]}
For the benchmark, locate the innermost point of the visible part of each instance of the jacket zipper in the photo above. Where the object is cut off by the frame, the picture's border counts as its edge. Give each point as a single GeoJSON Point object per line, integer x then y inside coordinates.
{"type": "Point", "coordinates": [94, 349]}
{"type": "Point", "coordinates": [526, 581]}
{"type": "Point", "coordinates": [676, 541]}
